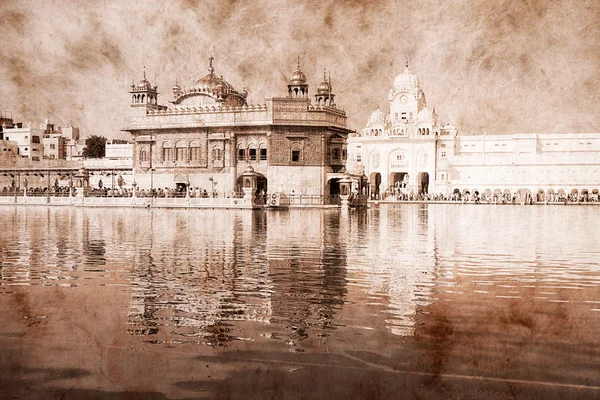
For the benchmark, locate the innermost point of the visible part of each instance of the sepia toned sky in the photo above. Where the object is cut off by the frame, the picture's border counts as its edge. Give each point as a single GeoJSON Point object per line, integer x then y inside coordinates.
{"type": "Point", "coordinates": [494, 66]}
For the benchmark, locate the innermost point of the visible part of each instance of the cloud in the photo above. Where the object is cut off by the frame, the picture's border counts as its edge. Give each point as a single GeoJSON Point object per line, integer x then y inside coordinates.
{"type": "Point", "coordinates": [495, 66]}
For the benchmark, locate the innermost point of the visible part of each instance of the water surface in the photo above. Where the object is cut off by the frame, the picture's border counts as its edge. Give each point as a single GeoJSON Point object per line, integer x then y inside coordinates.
{"type": "Point", "coordinates": [443, 301]}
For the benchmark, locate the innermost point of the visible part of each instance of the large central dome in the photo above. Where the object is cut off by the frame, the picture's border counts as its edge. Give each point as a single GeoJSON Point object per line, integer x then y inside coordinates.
{"type": "Point", "coordinates": [211, 83]}
{"type": "Point", "coordinates": [210, 90]}
{"type": "Point", "coordinates": [406, 81]}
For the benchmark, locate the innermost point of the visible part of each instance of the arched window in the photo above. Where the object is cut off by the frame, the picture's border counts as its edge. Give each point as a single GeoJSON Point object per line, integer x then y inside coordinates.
{"type": "Point", "coordinates": [143, 155]}
{"type": "Point", "coordinates": [296, 153]}
{"type": "Point", "coordinates": [143, 98]}
{"type": "Point", "coordinates": [375, 158]}
{"type": "Point", "coordinates": [217, 154]}
{"type": "Point", "coordinates": [422, 157]}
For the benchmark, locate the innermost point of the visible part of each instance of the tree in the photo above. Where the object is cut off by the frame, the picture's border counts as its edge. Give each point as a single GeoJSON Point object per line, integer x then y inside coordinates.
{"type": "Point", "coordinates": [95, 147]}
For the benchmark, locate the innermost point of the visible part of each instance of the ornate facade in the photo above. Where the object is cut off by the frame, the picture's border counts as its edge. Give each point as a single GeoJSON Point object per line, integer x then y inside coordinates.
{"type": "Point", "coordinates": [409, 149]}
{"type": "Point", "coordinates": [210, 135]}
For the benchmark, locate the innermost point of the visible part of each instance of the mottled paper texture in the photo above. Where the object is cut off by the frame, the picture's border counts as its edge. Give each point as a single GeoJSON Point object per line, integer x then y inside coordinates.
{"type": "Point", "coordinates": [488, 66]}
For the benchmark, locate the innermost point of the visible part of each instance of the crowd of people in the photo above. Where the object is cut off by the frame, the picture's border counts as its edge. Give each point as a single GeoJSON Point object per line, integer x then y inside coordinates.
{"type": "Point", "coordinates": [496, 197]}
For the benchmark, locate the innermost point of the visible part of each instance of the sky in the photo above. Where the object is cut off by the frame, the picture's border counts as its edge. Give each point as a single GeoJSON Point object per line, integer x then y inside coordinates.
{"type": "Point", "coordinates": [495, 67]}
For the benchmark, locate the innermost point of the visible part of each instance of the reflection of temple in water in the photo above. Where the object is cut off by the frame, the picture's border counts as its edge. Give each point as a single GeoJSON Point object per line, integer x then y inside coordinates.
{"type": "Point", "coordinates": [195, 282]}
{"type": "Point", "coordinates": [196, 270]}
{"type": "Point", "coordinates": [307, 267]}
{"type": "Point", "coordinates": [396, 262]}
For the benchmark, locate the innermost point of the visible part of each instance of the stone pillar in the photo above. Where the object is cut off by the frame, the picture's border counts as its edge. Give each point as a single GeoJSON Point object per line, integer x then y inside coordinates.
{"type": "Point", "coordinates": [249, 184]}
{"type": "Point", "coordinates": [82, 179]}
{"type": "Point", "coordinates": [345, 191]}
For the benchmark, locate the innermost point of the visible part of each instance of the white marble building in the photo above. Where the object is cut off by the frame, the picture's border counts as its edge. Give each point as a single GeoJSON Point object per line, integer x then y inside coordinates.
{"type": "Point", "coordinates": [407, 147]}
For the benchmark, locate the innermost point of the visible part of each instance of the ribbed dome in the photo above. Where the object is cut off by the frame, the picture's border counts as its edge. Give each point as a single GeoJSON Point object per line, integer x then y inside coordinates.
{"type": "Point", "coordinates": [298, 77]}
{"type": "Point", "coordinates": [325, 86]}
{"type": "Point", "coordinates": [406, 81]}
{"type": "Point", "coordinates": [211, 83]}
{"type": "Point", "coordinates": [377, 116]}
{"type": "Point", "coordinates": [143, 85]}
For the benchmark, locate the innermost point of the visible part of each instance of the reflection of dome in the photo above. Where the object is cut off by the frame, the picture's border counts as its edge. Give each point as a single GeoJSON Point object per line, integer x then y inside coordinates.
{"type": "Point", "coordinates": [406, 81]}
{"type": "Point", "coordinates": [377, 116]}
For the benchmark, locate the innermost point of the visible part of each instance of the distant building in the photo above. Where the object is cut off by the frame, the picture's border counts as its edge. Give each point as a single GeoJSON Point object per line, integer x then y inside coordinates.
{"type": "Point", "coordinates": [210, 136]}
{"type": "Point", "coordinates": [74, 150]}
{"type": "Point", "coordinates": [407, 148]}
{"type": "Point", "coordinates": [70, 133]}
{"type": "Point", "coordinates": [117, 150]}
{"type": "Point", "coordinates": [5, 121]}
{"type": "Point", "coordinates": [9, 152]}
{"type": "Point", "coordinates": [28, 139]}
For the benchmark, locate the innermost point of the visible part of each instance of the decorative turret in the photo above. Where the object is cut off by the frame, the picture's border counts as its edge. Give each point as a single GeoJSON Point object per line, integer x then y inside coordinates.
{"type": "Point", "coordinates": [298, 88]}
{"type": "Point", "coordinates": [177, 90]}
{"type": "Point", "coordinates": [144, 96]}
{"type": "Point", "coordinates": [324, 97]}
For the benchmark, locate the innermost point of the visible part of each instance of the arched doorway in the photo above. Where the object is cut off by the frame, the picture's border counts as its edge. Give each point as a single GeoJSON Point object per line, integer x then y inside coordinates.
{"type": "Point", "coordinates": [334, 187]}
{"type": "Point", "coordinates": [261, 184]}
{"type": "Point", "coordinates": [375, 180]}
{"type": "Point", "coordinates": [399, 180]}
{"type": "Point", "coordinates": [423, 182]}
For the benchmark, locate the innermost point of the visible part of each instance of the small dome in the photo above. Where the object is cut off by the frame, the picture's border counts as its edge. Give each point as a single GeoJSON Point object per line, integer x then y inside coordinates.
{"type": "Point", "coordinates": [377, 116]}
{"type": "Point", "coordinates": [143, 85]}
{"type": "Point", "coordinates": [425, 115]}
{"type": "Point", "coordinates": [249, 170]}
{"type": "Point", "coordinates": [325, 86]}
{"type": "Point", "coordinates": [406, 81]}
{"type": "Point", "coordinates": [298, 77]}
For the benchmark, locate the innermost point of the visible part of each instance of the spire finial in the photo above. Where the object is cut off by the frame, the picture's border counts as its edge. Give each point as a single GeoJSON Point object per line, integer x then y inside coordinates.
{"type": "Point", "coordinates": [211, 70]}
{"type": "Point", "coordinates": [330, 79]}
{"type": "Point", "coordinates": [406, 63]}
{"type": "Point", "coordinates": [144, 72]}
{"type": "Point", "coordinates": [324, 75]}
{"type": "Point", "coordinates": [298, 63]}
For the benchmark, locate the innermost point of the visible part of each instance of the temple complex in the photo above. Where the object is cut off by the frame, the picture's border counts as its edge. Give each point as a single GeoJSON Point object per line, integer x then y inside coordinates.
{"type": "Point", "coordinates": [209, 136]}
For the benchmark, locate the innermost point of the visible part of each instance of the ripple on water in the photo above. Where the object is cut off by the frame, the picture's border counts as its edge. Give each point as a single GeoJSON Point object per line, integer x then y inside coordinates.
{"type": "Point", "coordinates": [294, 276]}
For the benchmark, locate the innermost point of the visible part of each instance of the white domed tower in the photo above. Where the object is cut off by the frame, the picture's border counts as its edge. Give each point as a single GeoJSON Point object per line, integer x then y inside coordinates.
{"type": "Point", "coordinates": [298, 88]}
{"type": "Point", "coordinates": [144, 96]}
{"type": "Point", "coordinates": [406, 99]}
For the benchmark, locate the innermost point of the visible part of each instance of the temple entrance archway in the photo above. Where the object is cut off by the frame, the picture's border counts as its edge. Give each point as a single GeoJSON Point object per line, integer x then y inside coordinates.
{"type": "Point", "coordinates": [399, 180]}
{"type": "Point", "coordinates": [261, 184]}
{"type": "Point", "coordinates": [423, 179]}
{"type": "Point", "coordinates": [375, 180]}
{"type": "Point", "coordinates": [334, 187]}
